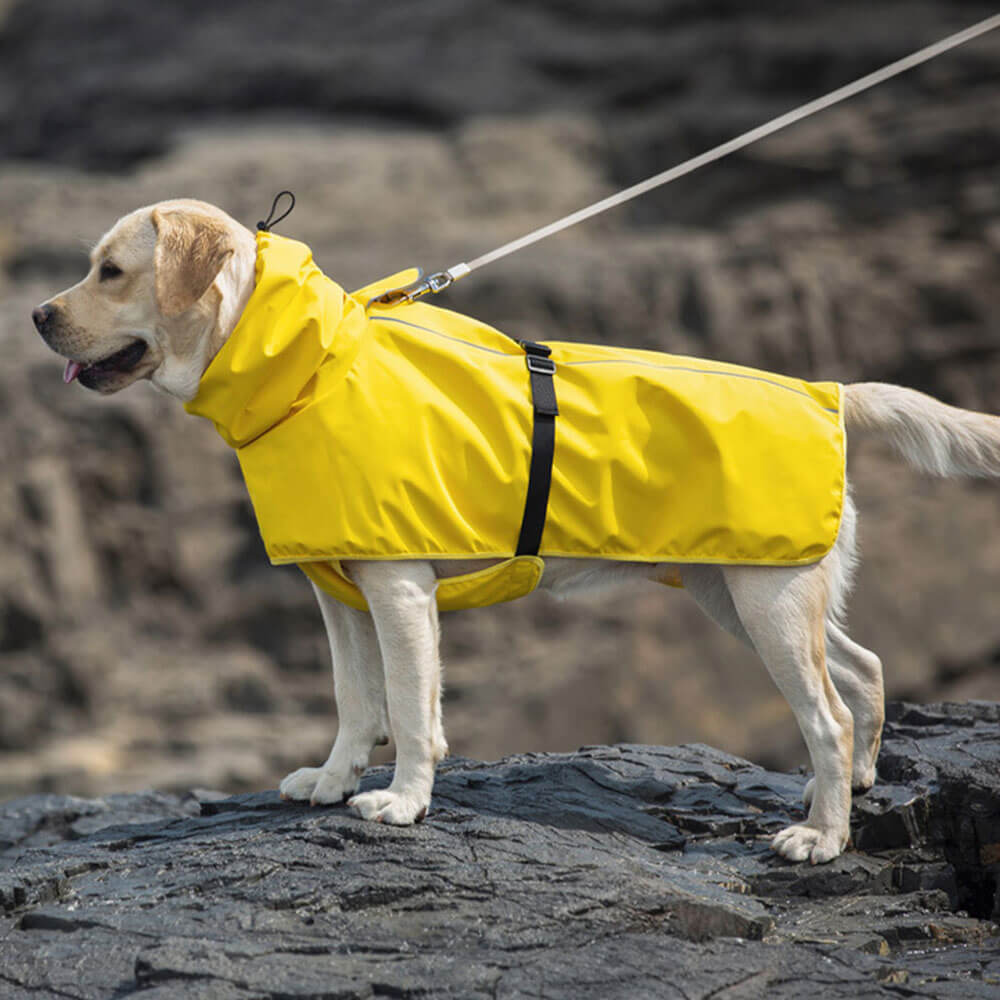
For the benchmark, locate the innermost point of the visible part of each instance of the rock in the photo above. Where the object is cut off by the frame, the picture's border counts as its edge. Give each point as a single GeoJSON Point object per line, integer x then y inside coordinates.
{"type": "Point", "coordinates": [621, 871]}
{"type": "Point", "coordinates": [145, 636]}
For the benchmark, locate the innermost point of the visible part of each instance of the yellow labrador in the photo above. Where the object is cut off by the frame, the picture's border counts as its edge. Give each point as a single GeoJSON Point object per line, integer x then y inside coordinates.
{"type": "Point", "coordinates": [166, 287]}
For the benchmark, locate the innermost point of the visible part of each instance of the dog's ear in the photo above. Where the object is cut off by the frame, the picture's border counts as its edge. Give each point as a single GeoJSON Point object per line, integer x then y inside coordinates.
{"type": "Point", "coordinates": [191, 248]}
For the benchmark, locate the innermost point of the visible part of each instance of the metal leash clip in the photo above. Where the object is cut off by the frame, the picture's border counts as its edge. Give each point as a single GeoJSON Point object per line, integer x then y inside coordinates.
{"type": "Point", "coordinates": [431, 284]}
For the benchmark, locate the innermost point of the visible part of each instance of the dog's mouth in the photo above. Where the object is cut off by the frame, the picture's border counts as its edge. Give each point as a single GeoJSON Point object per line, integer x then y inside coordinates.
{"type": "Point", "coordinates": [120, 363]}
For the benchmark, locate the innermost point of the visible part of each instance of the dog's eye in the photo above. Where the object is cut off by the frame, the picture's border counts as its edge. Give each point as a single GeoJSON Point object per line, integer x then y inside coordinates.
{"type": "Point", "coordinates": [109, 271]}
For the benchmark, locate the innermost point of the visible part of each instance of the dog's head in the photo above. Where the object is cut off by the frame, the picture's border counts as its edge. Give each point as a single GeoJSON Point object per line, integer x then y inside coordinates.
{"type": "Point", "coordinates": [149, 305]}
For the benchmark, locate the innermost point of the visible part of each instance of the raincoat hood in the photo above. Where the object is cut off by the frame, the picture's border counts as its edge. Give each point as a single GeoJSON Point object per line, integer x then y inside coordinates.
{"type": "Point", "coordinates": [296, 322]}
{"type": "Point", "coordinates": [406, 433]}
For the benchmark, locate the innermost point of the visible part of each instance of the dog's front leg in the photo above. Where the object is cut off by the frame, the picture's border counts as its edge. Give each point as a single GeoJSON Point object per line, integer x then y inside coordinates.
{"type": "Point", "coordinates": [401, 596]}
{"type": "Point", "coordinates": [359, 688]}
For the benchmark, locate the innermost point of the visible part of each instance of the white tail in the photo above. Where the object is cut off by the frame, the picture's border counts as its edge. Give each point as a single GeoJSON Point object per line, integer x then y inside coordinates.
{"type": "Point", "coordinates": [940, 439]}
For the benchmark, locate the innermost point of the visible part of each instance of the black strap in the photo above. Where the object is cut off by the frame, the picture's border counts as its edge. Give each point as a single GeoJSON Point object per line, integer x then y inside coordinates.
{"type": "Point", "coordinates": [543, 445]}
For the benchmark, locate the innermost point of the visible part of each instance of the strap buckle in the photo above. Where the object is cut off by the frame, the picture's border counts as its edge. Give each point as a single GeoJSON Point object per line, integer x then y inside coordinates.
{"type": "Point", "coordinates": [540, 365]}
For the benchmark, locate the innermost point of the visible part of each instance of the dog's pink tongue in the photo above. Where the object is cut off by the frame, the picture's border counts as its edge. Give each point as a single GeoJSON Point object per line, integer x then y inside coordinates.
{"type": "Point", "coordinates": [73, 368]}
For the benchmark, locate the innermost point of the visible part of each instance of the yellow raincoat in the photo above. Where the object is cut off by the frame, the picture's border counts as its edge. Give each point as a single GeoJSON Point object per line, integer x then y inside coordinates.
{"type": "Point", "coordinates": [406, 433]}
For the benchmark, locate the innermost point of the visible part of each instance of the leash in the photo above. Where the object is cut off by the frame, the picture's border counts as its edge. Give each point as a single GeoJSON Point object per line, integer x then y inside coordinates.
{"type": "Point", "coordinates": [437, 282]}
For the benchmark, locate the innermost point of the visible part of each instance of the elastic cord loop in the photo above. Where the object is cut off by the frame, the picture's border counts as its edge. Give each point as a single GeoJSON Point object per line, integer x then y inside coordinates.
{"type": "Point", "coordinates": [265, 225]}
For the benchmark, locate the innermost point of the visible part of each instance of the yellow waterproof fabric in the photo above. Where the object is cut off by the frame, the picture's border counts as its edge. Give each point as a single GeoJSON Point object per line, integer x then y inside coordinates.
{"type": "Point", "coordinates": [406, 433]}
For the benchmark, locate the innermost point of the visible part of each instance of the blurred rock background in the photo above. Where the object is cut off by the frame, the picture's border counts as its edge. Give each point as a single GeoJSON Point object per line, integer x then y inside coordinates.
{"type": "Point", "coordinates": [144, 639]}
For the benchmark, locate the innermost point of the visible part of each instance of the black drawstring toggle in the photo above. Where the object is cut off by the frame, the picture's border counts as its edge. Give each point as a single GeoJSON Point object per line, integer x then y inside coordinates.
{"type": "Point", "coordinates": [265, 225]}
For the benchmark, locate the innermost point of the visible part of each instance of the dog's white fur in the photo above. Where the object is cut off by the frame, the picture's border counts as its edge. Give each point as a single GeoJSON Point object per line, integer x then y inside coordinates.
{"type": "Point", "coordinates": [387, 674]}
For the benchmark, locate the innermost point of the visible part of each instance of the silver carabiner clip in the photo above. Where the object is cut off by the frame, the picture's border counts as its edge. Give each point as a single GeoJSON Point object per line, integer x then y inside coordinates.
{"type": "Point", "coordinates": [431, 284]}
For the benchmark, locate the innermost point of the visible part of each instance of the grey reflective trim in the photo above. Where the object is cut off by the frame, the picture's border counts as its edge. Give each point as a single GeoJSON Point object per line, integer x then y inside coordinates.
{"type": "Point", "coordinates": [603, 361]}
{"type": "Point", "coordinates": [447, 336]}
{"type": "Point", "coordinates": [694, 371]}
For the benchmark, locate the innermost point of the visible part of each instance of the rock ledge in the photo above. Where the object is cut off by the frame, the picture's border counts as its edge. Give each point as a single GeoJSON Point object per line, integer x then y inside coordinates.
{"type": "Point", "coordinates": [625, 871]}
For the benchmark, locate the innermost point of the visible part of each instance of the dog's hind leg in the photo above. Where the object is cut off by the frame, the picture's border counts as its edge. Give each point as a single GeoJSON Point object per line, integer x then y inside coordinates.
{"type": "Point", "coordinates": [359, 687]}
{"type": "Point", "coordinates": [784, 614]}
{"type": "Point", "coordinates": [857, 672]}
{"type": "Point", "coordinates": [403, 601]}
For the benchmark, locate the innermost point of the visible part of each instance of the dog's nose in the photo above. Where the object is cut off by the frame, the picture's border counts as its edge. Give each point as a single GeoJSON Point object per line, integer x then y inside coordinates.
{"type": "Point", "coordinates": [41, 315]}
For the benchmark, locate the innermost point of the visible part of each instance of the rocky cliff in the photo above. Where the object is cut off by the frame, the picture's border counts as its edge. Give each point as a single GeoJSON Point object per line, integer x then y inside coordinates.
{"type": "Point", "coordinates": [145, 641]}
{"type": "Point", "coordinates": [614, 872]}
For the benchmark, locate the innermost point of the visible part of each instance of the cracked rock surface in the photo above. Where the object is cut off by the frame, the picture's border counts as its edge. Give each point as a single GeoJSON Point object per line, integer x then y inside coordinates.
{"type": "Point", "coordinates": [624, 871]}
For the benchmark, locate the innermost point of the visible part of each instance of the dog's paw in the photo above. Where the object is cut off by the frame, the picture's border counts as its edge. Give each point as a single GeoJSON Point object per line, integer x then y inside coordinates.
{"type": "Point", "coordinates": [319, 785]}
{"type": "Point", "coordinates": [806, 843]}
{"type": "Point", "coordinates": [387, 806]}
{"type": "Point", "coordinates": [862, 779]}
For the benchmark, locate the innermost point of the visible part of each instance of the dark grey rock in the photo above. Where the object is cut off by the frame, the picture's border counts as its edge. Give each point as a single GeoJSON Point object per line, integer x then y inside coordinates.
{"type": "Point", "coordinates": [859, 245]}
{"type": "Point", "coordinates": [625, 871]}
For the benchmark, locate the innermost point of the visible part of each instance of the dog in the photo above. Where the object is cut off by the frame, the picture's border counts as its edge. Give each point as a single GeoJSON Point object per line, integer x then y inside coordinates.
{"type": "Point", "coordinates": [168, 284]}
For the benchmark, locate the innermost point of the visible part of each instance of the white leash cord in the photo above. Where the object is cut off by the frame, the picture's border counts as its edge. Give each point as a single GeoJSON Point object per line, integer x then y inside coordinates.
{"type": "Point", "coordinates": [442, 279]}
